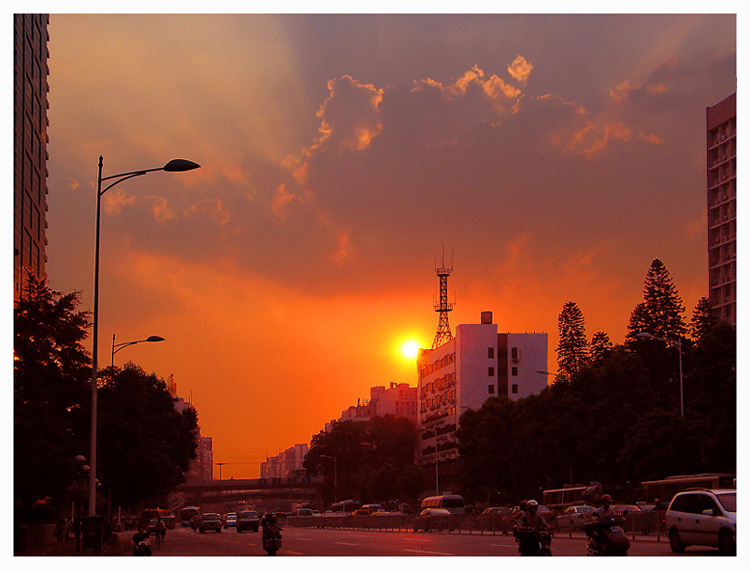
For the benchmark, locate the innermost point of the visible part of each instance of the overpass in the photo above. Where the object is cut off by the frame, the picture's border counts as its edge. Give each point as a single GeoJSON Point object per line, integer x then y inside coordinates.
{"type": "Point", "coordinates": [255, 491]}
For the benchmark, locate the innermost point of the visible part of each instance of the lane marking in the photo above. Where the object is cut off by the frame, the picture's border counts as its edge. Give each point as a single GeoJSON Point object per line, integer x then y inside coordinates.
{"type": "Point", "coordinates": [428, 552]}
{"type": "Point", "coordinates": [346, 544]}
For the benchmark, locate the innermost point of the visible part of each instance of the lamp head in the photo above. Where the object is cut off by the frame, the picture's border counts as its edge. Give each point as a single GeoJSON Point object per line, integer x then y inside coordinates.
{"type": "Point", "coordinates": [154, 339]}
{"type": "Point", "coordinates": [180, 165]}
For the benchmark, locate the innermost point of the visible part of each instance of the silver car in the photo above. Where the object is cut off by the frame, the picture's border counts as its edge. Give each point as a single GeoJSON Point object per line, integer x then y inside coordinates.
{"type": "Point", "coordinates": [706, 517]}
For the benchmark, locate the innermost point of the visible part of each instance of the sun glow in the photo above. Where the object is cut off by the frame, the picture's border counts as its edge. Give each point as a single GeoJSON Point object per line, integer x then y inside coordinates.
{"type": "Point", "coordinates": [410, 349]}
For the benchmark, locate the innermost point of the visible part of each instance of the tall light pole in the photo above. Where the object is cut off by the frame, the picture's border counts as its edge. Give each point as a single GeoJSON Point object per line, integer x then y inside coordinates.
{"type": "Point", "coordinates": [678, 344]}
{"type": "Point", "coordinates": [120, 345]}
{"type": "Point", "coordinates": [176, 165]}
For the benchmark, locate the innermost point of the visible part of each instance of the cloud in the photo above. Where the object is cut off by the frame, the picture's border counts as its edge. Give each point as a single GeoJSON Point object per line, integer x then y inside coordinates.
{"type": "Point", "coordinates": [520, 69]}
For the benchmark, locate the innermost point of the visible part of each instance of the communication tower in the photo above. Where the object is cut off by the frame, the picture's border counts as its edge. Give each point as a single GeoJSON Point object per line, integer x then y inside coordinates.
{"type": "Point", "coordinates": [443, 307]}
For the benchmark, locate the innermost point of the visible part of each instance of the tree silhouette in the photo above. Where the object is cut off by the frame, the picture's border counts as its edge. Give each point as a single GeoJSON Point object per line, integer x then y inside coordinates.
{"type": "Point", "coordinates": [661, 313]}
{"type": "Point", "coordinates": [600, 347]}
{"type": "Point", "coordinates": [702, 320]}
{"type": "Point", "coordinates": [572, 349]}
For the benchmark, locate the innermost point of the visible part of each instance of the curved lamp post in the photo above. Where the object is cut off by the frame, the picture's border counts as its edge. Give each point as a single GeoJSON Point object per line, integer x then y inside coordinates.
{"type": "Point", "coordinates": [176, 165]}
{"type": "Point", "coordinates": [677, 344]}
{"type": "Point", "coordinates": [120, 345]}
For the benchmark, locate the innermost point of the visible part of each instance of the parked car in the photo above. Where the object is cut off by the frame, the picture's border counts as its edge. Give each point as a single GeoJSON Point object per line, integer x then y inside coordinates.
{"type": "Point", "coordinates": [247, 520]}
{"type": "Point", "coordinates": [230, 520]}
{"type": "Point", "coordinates": [303, 513]}
{"type": "Point", "coordinates": [210, 521]}
{"type": "Point", "coordinates": [432, 518]}
{"type": "Point", "coordinates": [574, 517]}
{"type": "Point", "coordinates": [360, 513]}
{"type": "Point", "coordinates": [705, 517]}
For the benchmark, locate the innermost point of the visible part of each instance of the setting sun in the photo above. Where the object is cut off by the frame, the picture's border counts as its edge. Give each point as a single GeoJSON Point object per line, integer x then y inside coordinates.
{"type": "Point", "coordinates": [410, 349]}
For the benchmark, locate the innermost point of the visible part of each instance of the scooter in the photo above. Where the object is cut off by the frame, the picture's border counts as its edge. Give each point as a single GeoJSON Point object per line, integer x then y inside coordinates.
{"type": "Point", "coordinates": [272, 540]}
{"type": "Point", "coordinates": [606, 537]}
{"type": "Point", "coordinates": [533, 542]}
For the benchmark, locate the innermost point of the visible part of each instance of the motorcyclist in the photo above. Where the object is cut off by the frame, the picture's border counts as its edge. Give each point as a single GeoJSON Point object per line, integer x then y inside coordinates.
{"type": "Point", "coordinates": [141, 543]}
{"type": "Point", "coordinates": [531, 519]}
{"type": "Point", "coordinates": [269, 524]}
{"type": "Point", "coordinates": [603, 512]}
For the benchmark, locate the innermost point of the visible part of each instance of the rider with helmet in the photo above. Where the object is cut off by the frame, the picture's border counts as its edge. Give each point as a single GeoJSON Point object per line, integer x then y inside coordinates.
{"type": "Point", "coordinates": [531, 519]}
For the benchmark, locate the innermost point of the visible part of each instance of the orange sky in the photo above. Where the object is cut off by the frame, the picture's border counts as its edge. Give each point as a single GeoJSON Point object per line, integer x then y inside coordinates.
{"type": "Point", "coordinates": [556, 155]}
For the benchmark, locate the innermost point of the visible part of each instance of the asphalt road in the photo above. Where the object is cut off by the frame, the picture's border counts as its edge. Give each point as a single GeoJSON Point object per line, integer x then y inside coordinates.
{"type": "Point", "coordinates": [330, 542]}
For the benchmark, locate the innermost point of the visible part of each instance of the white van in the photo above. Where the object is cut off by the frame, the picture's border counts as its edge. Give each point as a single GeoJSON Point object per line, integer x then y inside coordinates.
{"type": "Point", "coordinates": [454, 504]}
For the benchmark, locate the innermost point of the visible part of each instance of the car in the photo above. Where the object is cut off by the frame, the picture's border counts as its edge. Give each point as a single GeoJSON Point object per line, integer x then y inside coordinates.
{"type": "Point", "coordinates": [492, 518]}
{"type": "Point", "coordinates": [230, 520]}
{"type": "Point", "coordinates": [360, 513]}
{"type": "Point", "coordinates": [574, 517]}
{"type": "Point", "coordinates": [433, 518]}
{"type": "Point", "coordinates": [623, 510]}
{"type": "Point", "coordinates": [303, 513]}
{"type": "Point", "coordinates": [703, 517]}
{"type": "Point", "coordinates": [169, 521]}
{"type": "Point", "coordinates": [247, 520]}
{"type": "Point", "coordinates": [316, 513]}
{"type": "Point", "coordinates": [210, 521]}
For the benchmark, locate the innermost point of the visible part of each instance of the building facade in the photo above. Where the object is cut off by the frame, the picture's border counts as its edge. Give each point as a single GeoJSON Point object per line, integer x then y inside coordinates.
{"type": "Point", "coordinates": [285, 465]}
{"type": "Point", "coordinates": [478, 363]}
{"type": "Point", "coordinates": [30, 88]}
{"type": "Point", "coordinates": [721, 137]}
{"type": "Point", "coordinates": [400, 400]}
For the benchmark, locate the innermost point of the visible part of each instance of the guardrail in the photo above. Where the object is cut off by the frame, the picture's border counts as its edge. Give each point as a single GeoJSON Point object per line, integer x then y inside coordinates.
{"type": "Point", "coordinates": [643, 524]}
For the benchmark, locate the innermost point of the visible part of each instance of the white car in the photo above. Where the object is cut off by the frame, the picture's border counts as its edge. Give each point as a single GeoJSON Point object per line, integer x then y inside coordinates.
{"type": "Point", "coordinates": [706, 517]}
{"type": "Point", "coordinates": [573, 518]}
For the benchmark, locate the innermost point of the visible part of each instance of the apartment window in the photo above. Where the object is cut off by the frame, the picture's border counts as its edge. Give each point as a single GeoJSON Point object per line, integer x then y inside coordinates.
{"type": "Point", "coordinates": [514, 352]}
{"type": "Point", "coordinates": [491, 371]}
{"type": "Point", "coordinates": [514, 388]}
{"type": "Point", "coordinates": [491, 388]}
{"type": "Point", "coordinates": [491, 352]}
{"type": "Point", "coordinates": [514, 371]}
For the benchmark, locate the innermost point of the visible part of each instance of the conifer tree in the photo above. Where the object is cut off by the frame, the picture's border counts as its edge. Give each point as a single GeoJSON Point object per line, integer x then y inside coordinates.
{"type": "Point", "coordinates": [661, 312]}
{"type": "Point", "coordinates": [572, 349]}
{"type": "Point", "coordinates": [600, 347]}
{"type": "Point", "coordinates": [702, 320]}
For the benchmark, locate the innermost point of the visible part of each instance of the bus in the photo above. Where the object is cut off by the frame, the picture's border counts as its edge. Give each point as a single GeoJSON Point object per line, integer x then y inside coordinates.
{"type": "Point", "coordinates": [453, 503]}
{"type": "Point", "coordinates": [187, 514]}
{"type": "Point", "coordinates": [665, 489]}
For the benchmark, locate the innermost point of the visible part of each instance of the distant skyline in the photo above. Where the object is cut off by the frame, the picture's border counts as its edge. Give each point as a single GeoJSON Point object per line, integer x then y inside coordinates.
{"type": "Point", "coordinates": [555, 155]}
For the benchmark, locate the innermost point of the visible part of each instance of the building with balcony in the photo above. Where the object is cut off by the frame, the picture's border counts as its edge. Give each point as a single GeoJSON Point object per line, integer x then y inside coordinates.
{"type": "Point", "coordinates": [478, 363]}
{"type": "Point", "coordinates": [721, 142]}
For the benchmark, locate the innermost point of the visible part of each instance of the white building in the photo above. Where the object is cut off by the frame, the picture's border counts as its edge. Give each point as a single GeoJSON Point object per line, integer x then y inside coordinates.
{"type": "Point", "coordinates": [400, 400]}
{"type": "Point", "coordinates": [286, 464]}
{"type": "Point", "coordinates": [478, 363]}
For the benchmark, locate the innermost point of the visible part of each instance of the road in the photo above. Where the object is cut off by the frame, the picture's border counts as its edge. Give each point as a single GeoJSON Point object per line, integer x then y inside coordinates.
{"type": "Point", "coordinates": [335, 542]}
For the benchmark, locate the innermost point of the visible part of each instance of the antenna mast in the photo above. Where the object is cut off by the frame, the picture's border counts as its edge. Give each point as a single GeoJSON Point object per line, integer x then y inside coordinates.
{"type": "Point", "coordinates": [443, 307]}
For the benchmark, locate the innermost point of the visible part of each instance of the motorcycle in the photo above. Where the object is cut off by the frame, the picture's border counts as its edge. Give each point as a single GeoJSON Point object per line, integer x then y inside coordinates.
{"type": "Point", "coordinates": [533, 542]}
{"type": "Point", "coordinates": [606, 537]}
{"type": "Point", "coordinates": [272, 539]}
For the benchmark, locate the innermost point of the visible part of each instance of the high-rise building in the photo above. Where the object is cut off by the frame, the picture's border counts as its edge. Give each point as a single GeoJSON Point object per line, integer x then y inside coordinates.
{"type": "Point", "coordinates": [478, 363]}
{"type": "Point", "coordinates": [30, 90]}
{"type": "Point", "coordinates": [285, 465]}
{"type": "Point", "coordinates": [398, 400]}
{"type": "Point", "coordinates": [721, 139]}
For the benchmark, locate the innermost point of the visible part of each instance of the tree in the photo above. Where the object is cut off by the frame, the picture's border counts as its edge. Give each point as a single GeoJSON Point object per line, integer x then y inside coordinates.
{"type": "Point", "coordinates": [702, 320]}
{"type": "Point", "coordinates": [572, 349]}
{"type": "Point", "coordinates": [50, 372]}
{"type": "Point", "coordinates": [661, 313]}
{"type": "Point", "coordinates": [145, 443]}
{"type": "Point", "coordinates": [600, 347]}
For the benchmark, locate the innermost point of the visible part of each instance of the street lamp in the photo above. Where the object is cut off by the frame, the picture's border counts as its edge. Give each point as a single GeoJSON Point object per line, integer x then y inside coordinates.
{"type": "Point", "coordinates": [669, 342]}
{"type": "Point", "coordinates": [120, 345]}
{"type": "Point", "coordinates": [176, 165]}
{"type": "Point", "coordinates": [335, 475]}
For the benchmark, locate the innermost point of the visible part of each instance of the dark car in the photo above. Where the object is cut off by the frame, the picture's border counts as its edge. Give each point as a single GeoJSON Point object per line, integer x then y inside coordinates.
{"type": "Point", "coordinates": [492, 518]}
{"type": "Point", "coordinates": [433, 518]}
{"type": "Point", "coordinates": [210, 521]}
{"type": "Point", "coordinates": [247, 520]}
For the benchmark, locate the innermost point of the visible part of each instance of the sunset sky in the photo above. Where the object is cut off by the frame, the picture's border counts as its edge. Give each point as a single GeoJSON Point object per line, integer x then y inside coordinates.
{"type": "Point", "coordinates": [554, 155]}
